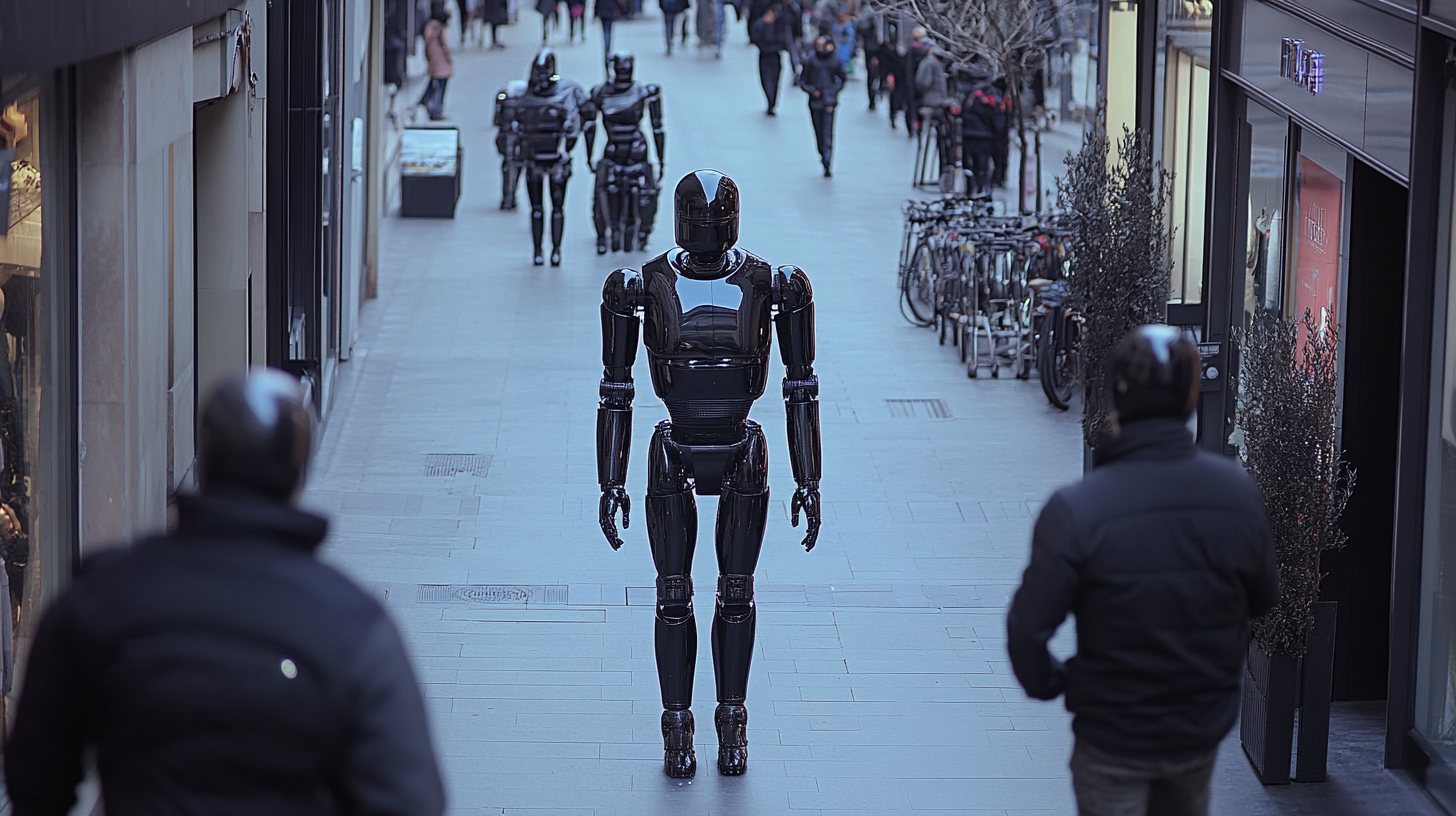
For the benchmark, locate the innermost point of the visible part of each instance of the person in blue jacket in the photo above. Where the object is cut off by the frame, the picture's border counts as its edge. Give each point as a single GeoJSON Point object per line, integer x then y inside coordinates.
{"type": "Point", "coordinates": [823, 78]}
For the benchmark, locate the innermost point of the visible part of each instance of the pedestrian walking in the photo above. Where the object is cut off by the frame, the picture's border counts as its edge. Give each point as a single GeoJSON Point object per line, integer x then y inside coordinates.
{"type": "Point", "coordinates": [496, 13]}
{"type": "Point", "coordinates": [550, 13]}
{"type": "Point", "coordinates": [576, 24]}
{"type": "Point", "coordinates": [1002, 156]}
{"type": "Point", "coordinates": [710, 25]}
{"type": "Point", "coordinates": [1163, 552]}
{"type": "Point", "coordinates": [670, 11]}
{"type": "Point", "coordinates": [919, 48]}
{"type": "Point", "coordinates": [980, 114]}
{"type": "Point", "coordinates": [823, 78]}
{"type": "Point", "coordinates": [771, 34]}
{"type": "Point", "coordinates": [223, 668]}
{"type": "Point", "coordinates": [608, 12]}
{"type": "Point", "coordinates": [439, 63]}
{"type": "Point", "coordinates": [870, 28]}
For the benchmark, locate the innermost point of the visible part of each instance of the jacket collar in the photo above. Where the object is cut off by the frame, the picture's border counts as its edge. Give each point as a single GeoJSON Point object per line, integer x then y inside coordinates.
{"type": "Point", "coordinates": [1147, 439]}
{"type": "Point", "coordinates": [235, 517]}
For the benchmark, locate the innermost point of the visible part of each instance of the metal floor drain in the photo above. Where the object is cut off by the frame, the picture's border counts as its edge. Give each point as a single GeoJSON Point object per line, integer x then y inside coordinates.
{"type": "Point", "coordinates": [919, 408]}
{"type": "Point", "coordinates": [493, 594]}
{"type": "Point", "coordinates": [451, 464]}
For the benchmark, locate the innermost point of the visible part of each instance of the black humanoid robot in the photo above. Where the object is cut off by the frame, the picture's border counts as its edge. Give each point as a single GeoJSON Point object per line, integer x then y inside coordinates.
{"type": "Point", "coordinates": [707, 308]}
{"type": "Point", "coordinates": [553, 111]}
{"type": "Point", "coordinates": [625, 204]}
{"type": "Point", "coordinates": [508, 140]}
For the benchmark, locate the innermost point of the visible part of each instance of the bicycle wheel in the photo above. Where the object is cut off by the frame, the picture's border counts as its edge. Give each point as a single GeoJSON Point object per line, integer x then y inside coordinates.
{"type": "Point", "coordinates": [917, 296]}
{"type": "Point", "coordinates": [1055, 363]}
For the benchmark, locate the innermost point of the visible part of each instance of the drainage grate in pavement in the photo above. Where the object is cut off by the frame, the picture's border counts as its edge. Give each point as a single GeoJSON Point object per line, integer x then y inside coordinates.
{"type": "Point", "coordinates": [919, 408]}
{"type": "Point", "coordinates": [451, 464]}
{"type": "Point", "coordinates": [493, 594]}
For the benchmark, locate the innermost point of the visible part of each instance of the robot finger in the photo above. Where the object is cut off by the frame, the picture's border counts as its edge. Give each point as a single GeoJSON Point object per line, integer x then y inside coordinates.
{"type": "Point", "coordinates": [626, 511]}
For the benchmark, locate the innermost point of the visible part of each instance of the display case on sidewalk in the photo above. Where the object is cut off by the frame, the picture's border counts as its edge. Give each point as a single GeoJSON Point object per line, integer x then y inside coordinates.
{"type": "Point", "coordinates": [429, 169]}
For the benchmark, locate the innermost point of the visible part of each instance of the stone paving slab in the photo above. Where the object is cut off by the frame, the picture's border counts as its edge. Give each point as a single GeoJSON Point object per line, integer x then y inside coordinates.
{"type": "Point", "coordinates": [880, 683]}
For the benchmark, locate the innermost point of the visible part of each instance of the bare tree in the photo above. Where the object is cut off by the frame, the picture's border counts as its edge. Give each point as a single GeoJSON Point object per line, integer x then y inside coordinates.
{"type": "Point", "coordinates": [1009, 35]}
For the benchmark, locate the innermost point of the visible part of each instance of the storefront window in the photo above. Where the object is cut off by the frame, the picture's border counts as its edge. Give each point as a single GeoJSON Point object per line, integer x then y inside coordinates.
{"type": "Point", "coordinates": [37, 460]}
{"type": "Point", "coordinates": [1264, 262]}
{"type": "Point", "coordinates": [1185, 154]}
{"type": "Point", "coordinates": [1436, 670]}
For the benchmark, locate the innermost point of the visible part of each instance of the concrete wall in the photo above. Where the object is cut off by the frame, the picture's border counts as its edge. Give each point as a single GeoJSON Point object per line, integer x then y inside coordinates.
{"type": "Point", "coordinates": [134, 131]}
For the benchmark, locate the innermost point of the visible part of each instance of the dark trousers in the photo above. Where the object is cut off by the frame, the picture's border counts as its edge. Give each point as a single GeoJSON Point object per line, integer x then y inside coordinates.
{"type": "Point", "coordinates": [874, 77]}
{"type": "Point", "coordinates": [607, 35]}
{"type": "Point", "coordinates": [434, 97]}
{"type": "Point", "coordinates": [770, 67]}
{"type": "Point", "coordinates": [823, 119]}
{"type": "Point", "coordinates": [1108, 785]}
{"type": "Point", "coordinates": [978, 160]}
{"type": "Point", "coordinates": [1001, 158]}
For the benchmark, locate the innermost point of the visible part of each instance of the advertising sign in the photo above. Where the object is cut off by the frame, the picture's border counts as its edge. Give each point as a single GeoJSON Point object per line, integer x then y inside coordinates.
{"type": "Point", "coordinates": [1317, 258]}
{"type": "Point", "coordinates": [429, 151]}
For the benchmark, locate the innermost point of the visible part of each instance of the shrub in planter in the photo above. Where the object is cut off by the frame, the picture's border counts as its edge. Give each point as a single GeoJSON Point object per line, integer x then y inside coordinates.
{"type": "Point", "coordinates": [1121, 266]}
{"type": "Point", "coordinates": [1288, 392]}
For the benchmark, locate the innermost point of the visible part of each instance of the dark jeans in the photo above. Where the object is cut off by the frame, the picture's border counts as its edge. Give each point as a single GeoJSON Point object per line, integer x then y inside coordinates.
{"type": "Point", "coordinates": [770, 68]}
{"type": "Point", "coordinates": [607, 35]}
{"type": "Point", "coordinates": [434, 97]}
{"type": "Point", "coordinates": [1107, 785]}
{"type": "Point", "coordinates": [823, 119]}
{"type": "Point", "coordinates": [977, 158]}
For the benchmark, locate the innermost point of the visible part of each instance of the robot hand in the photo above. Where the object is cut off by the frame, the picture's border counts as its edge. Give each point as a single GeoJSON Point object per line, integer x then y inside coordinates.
{"type": "Point", "coordinates": [661, 172]}
{"type": "Point", "coordinates": [614, 497]}
{"type": "Point", "coordinates": [806, 498]}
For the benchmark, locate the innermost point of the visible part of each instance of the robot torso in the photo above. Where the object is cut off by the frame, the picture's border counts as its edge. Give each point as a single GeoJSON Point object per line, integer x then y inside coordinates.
{"type": "Point", "coordinates": [545, 119]}
{"type": "Point", "coordinates": [622, 111]}
{"type": "Point", "coordinates": [708, 335]}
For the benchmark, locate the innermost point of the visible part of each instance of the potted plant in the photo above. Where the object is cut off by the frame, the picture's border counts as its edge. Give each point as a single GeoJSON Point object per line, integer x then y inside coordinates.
{"type": "Point", "coordinates": [1288, 405]}
{"type": "Point", "coordinates": [1121, 266]}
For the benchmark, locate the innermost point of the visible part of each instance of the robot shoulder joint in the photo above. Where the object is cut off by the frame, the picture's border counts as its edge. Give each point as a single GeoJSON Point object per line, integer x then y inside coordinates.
{"type": "Point", "coordinates": [794, 290]}
{"type": "Point", "coordinates": [622, 293]}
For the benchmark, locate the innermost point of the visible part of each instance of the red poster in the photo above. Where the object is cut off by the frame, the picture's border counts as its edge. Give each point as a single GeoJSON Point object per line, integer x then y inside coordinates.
{"type": "Point", "coordinates": [1317, 260]}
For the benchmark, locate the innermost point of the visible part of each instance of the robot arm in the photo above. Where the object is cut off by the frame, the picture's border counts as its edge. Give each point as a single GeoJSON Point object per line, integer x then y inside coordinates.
{"type": "Point", "coordinates": [795, 324]}
{"type": "Point", "coordinates": [621, 298]}
{"type": "Point", "coordinates": [654, 109]}
{"type": "Point", "coordinates": [589, 127]}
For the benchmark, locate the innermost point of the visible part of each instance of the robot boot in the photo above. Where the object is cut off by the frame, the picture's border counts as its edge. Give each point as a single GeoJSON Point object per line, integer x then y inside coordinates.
{"type": "Point", "coordinates": [732, 724]}
{"type": "Point", "coordinates": [678, 760]}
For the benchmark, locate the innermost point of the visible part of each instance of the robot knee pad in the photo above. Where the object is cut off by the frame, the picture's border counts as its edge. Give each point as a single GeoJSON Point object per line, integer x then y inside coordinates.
{"type": "Point", "coordinates": [674, 598]}
{"type": "Point", "coordinates": [735, 598]}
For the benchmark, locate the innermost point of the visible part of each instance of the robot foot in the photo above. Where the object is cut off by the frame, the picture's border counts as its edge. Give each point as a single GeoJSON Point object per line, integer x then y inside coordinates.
{"type": "Point", "coordinates": [508, 204]}
{"type": "Point", "coordinates": [601, 244]}
{"type": "Point", "coordinates": [678, 759]}
{"type": "Point", "coordinates": [732, 724]}
{"type": "Point", "coordinates": [555, 256]}
{"type": "Point", "coordinates": [538, 259]}
{"type": "Point", "coordinates": [642, 242]}
{"type": "Point", "coordinates": [617, 241]}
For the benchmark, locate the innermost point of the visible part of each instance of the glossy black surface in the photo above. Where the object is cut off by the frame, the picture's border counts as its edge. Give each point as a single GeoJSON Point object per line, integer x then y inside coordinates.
{"type": "Point", "coordinates": [624, 206]}
{"type": "Point", "coordinates": [255, 436]}
{"type": "Point", "coordinates": [707, 317]}
{"type": "Point", "coordinates": [705, 207]}
{"type": "Point", "coordinates": [508, 142]}
{"type": "Point", "coordinates": [547, 120]}
{"type": "Point", "coordinates": [1154, 373]}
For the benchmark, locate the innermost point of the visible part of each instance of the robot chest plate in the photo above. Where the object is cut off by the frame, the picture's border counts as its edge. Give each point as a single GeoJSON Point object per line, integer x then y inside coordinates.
{"type": "Point", "coordinates": [708, 321]}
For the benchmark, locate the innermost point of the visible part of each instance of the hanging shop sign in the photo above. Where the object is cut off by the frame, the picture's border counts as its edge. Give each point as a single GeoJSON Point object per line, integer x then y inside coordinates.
{"type": "Point", "coordinates": [1304, 67]}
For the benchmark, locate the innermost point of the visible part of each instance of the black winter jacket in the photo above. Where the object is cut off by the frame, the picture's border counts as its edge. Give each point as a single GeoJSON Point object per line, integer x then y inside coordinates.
{"type": "Point", "coordinates": [825, 74]}
{"type": "Point", "coordinates": [1163, 552]}
{"type": "Point", "coordinates": [222, 670]}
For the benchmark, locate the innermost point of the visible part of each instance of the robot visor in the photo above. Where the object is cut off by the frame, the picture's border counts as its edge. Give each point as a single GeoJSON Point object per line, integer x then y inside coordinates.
{"type": "Point", "coordinates": [707, 236]}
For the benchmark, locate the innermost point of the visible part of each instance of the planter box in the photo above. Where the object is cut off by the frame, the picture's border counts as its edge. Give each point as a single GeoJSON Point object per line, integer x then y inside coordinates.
{"type": "Point", "coordinates": [1275, 687]}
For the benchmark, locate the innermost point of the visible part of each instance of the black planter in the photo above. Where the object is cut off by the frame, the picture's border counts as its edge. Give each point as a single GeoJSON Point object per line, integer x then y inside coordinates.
{"type": "Point", "coordinates": [1275, 687]}
{"type": "Point", "coordinates": [1266, 724]}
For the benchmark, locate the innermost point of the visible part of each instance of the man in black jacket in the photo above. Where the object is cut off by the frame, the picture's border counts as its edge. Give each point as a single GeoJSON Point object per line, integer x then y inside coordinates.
{"type": "Point", "coordinates": [223, 669]}
{"type": "Point", "coordinates": [772, 32]}
{"type": "Point", "coordinates": [1163, 553]}
{"type": "Point", "coordinates": [823, 78]}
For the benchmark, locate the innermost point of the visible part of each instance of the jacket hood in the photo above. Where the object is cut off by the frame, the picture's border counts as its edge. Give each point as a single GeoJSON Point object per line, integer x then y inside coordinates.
{"type": "Point", "coordinates": [1147, 439]}
{"type": "Point", "coordinates": [233, 517]}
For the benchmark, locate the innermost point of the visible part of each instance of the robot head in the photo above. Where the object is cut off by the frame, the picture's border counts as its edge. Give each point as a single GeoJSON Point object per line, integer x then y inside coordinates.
{"type": "Point", "coordinates": [543, 72]}
{"type": "Point", "coordinates": [620, 67]}
{"type": "Point", "coordinates": [255, 437]}
{"type": "Point", "coordinates": [706, 203]}
{"type": "Point", "coordinates": [1154, 372]}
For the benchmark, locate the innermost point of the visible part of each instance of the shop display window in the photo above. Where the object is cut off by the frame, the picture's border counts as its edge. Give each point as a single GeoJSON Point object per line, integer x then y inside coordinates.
{"type": "Point", "coordinates": [1264, 259]}
{"type": "Point", "coordinates": [1185, 154]}
{"type": "Point", "coordinates": [36, 419]}
{"type": "Point", "coordinates": [1435, 708]}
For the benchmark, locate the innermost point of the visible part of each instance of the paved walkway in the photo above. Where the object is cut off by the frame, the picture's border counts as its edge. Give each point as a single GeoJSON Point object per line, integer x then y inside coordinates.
{"type": "Point", "coordinates": [880, 682]}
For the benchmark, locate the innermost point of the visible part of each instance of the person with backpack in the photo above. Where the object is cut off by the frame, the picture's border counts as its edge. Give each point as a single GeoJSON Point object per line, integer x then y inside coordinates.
{"type": "Point", "coordinates": [980, 114]}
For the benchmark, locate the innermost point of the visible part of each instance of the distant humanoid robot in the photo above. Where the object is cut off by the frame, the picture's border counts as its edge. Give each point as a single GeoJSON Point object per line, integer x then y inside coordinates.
{"type": "Point", "coordinates": [707, 308]}
{"type": "Point", "coordinates": [549, 117]}
{"type": "Point", "coordinates": [508, 140]}
{"type": "Point", "coordinates": [625, 204]}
